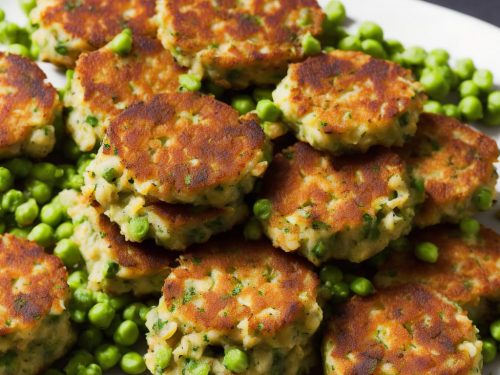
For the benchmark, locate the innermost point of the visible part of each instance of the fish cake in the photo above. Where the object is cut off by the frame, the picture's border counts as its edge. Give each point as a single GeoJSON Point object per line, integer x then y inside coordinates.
{"type": "Point", "coordinates": [237, 43]}
{"type": "Point", "coordinates": [29, 107]}
{"type": "Point", "coordinates": [67, 28]}
{"type": "Point", "coordinates": [402, 330]}
{"type": "Point", "coordinates": [345, 101]}
{"type": "Point", "coordinates": [336, 207]}
{"type": "Point", "coordinates": [180, 148]}
{"type": "Point", "coordinates": [33, 296]}
{"type": "Point", "coordinates": [454, 162]}
{"type": "Point", "coordinates": [235, 293]}
{"type": "Point", "coordinates": [106, 83]}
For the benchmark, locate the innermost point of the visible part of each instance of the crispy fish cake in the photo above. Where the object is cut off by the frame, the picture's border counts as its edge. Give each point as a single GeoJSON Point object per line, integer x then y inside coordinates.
{"type": "Point", "coordinates": [231, 293]}
{"type": "Point", "coordinates": [401, 330]}
{"type": "Point", "coordinates": [237, 43]}
{"type": "Point", "coordinates": [105, 83]}
{"type": "Point", "coordinates": [467, 269]}
{"type": "Point", "coordinates": [67, 28]}
{"type": "Point", "coordinates": [343, 208]}
{"type": "Point", "coordinates": [180, 148]}
{"type": "Point", "coordinates": [115, 265]}
{"type": "Point", "coordinates": [454, 162]}
{"type": "Point", "coordinates": [349, 101]}
{"type": "Point", "coordinates": [33, 294]}
{"type": "Point", "coordinates": [29, 106]}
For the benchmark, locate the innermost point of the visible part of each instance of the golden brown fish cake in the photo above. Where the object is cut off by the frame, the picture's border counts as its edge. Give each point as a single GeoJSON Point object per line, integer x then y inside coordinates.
{"type": "Point", "coordinates": [454, 161]}
{"type": "Point", "coordinates": [237, 43]}
{"type": "Point", "coordinates": [402, 330]}
{"type": "Point", "coordinates": [231, 292]}
{"type": "Point", "coordinates": [33, 294]}
{"type": "Point", "coordinates": [343, 208]}
{"type": "Point", "coordinates": [68, 28]}
{"type": "Point", "coordinates": [105, 83]}
{"type": "Point", "coordinates": [29, 106]}
{"type": "Point", "coordinates": [345, 101]}
{"type": "Point", "coordinates": [180, 148]}
{"type": "Point", "coordinates": [115, 265]}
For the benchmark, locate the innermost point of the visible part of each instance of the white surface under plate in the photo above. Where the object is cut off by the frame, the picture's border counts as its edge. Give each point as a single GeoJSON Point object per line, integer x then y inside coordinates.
{"type": "Point", "coordinates": [413, 22]}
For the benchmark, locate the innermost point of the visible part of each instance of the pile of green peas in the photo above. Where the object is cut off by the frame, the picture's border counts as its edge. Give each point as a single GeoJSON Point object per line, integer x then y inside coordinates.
{"type": "Point", "coordinates": [18, 39]}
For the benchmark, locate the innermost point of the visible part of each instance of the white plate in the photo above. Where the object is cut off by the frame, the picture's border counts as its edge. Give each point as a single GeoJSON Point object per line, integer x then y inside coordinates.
{"type": "Point", "coordinates": [412, 22]}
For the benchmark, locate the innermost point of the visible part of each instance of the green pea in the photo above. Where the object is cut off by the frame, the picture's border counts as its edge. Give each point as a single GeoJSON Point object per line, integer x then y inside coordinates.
{"type": "Point", "coordinates": [107, 356]}
{"type": "Point", "coordinates": [495, 330]}
{"type": "Point", "coordinates": [83, 299]}
{"type": "Point", "coordinates": [243, 104]}
{"type": "Point", "coordinates": [451, 110]}
{"type": "Point", "coordinates": [483, 79]}
{"type": "Point", "coordinates": [2, 15]}
{"type": "Point", "coordinates": [78, 358]}
{"type": "Point", "coordinates": [350, 43]}
{"type": "Point", "coordinates": [260, 93]}
{"type": "Point", "coordinates": [483, 199]}
{"type": "Point", "coordinates": [331, 273]}
{"type": "Point", "coordinates": [126, 334]}
{"type": "Point", "coordinates": [12, 199]}
{"type": "Point", "coordinates": [393, 46]}
{"type": "Point", "coordinates": [51, 214]}
{"type": "Point", "coordinates": [163, 356]}
{"type": "Point", "coordinates": [196, 368]}
{"type": "Point", "coordinates": [267, 110]}
{"type": "Point", "coordinates": [262, 209]}
{"type": "Point", "coordinates": [371, 30]}
{"type": "Point", "coordinates": [75, 182]}
{"type": "Point", "coordinates": [432, 106]}
{"type": "Point", "coordinates": [119, 302]}
{"type": "Point", "coordinates": [252, 230]}
{"type": "Point", "coordinates": [190, 82]}
{"type": "Point", "coordinates": [471, 108]}
{"type": "Point", "coordinates": [78, 316]}
{"type": "Point", "coordinates": [442, 56]}
{"type": "Point", "coordinates": [38, 190]}
{"type": "Point", "coordinates": [68, 252]}
{"type": "Point", "coordinates": [34, 51]}
{"type": "Point", "coordinates": [464, 69]}
{"type": "Point", "coordinates": [362, 286]}
{"type": "Point", "coordinates": [64, 230]}
{"type": "Point", "coordinates": [132, 363]}
{"type": "Point", "coordinates": [494, 103]}
{"type": "Point", "coordinates": [235, 360]}
{"type": "Point", "coordinates": [427, 252]}
{"type": "Point", "coordinates": [310, 45]}
{"type": "Point", "coordinates": [20, 232]}
{"type": "Point", "coordinates": [9, 32]}
{"type": "Point", "coordinates": [414, 56]}
{"type": "Point", "coordinates": [101, 315]}
{"type": "Point", "coordinates": [468, 88]}
{"type": "Point", "coordinates": [489, 351]}
{"type": "Point", "coordinates": [92, 369]}
{"type": "Point", "coordinates": [132, 312]}
{"type": "Point", "coordinates": [335, 12]}
{"type": "Point", "coordinates": [27, 213]}
{"type": "Point", "coordinates": [19, 49]}
{"type": "Point", "coordinates": [19, 167]}
{"type": "Point", "coordinates": [341, 290]}
{"type": "Point", "coordinates": [46, 172]}
{"type": "Point", "coordinates": [6, 179]}
{"type": "Point", "coordinates": [435, 84]}
{"type": "Point", "coordinates": [319, 249]}
{"type": "Point", "coordinates": [27, 5]}
{"type": "Point", "coordinates": [77, 279]}
{"type": "Point", "coordinates": [469, 226]}
{"type": "Point", "coordinates": [121, 44]}
{"type": "Point", "coordinates": [374, 48]}
{"type": "Point", "coordinates": [90, 338]}
{"type": "Point", "coordinates": [138, 229]}
{"type": "Point", "coordinates": [143, 313]}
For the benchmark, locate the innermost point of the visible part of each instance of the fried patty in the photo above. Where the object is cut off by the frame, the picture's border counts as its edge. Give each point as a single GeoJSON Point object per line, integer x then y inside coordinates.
{"type": "Point", "coordinates": [237, 43]}
{"type": "Point", "coordinates": [233, 293]}
{"type": "Point", "coordinates": [467, 270]}
{"type": "Point", "coordinates": [454, 161]}
{"type": "Point", "coordinates": [115, 265]}
{"type": "Point", "coordinates": [180, 148]}
{"type": "Point", "coordinates": [402, 330]}
{"type": "Point", "coordinates": [29, 106]}
{"type": "Point", "coordinates": [345, 101]}
{"type": "Point", "coordinates": [105, 83]}
{"type": "Point", "coordinates": [336, 207]}
{"type": "Point", "coordinates": [67, 28]}
{"type": "Point", "coordinates": [33, 294]}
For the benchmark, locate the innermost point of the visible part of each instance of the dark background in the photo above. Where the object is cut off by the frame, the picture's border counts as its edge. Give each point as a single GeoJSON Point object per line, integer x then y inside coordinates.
{"type": "Point", "coordinates": [487, 10]}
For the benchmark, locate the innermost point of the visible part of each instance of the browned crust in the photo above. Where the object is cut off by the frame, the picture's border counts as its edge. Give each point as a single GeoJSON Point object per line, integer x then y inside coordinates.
{"type": "Point", "coordinates": [458, 274]}
{"type": "Point", "coordinates": [222, 142]}
{"type": "Point", "coordinates": [338, 72]}
{"type": "Point", "coordinates": [237, 260]}
{"type": "Point", "coordinates": [98, 21]}
{"type": "Point", "coordinates": [181, 215]}
{"type": "Point", "coordinates": [292, 165]}
{"type": "Point", "coordinates": [31, 90]}
{"type": "Point", "coordinates": [192, 30]}
{"type": "Point", "coordinates": [24, 309]}
{"type": "Point", "coordinates": [453, 159]}
{"type": "Point", "coordinates": [107, 78]}
{"type": "Point", "coordinates": [353, 330]}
